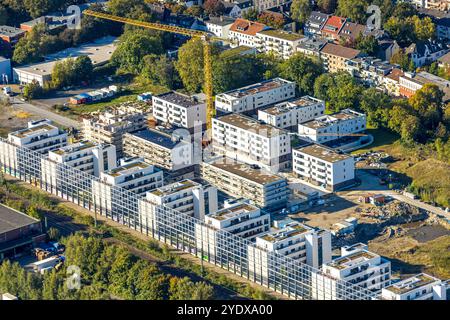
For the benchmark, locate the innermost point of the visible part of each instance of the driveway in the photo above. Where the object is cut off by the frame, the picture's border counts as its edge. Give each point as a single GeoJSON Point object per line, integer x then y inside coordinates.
{"type": "Point", "coordinates": [45, 113]}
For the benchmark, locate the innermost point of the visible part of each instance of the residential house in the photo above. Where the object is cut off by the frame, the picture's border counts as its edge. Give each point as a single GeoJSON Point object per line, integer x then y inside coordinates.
{"type": "Point", "coordinates": [332, 28]}
{"type": "Point", "coordinates": [335, 56]}
{"type": "Point", "coordinates": [282, 43]}
{"type": "Point", "coordinates": [314, 24]}
{"type": "Point", "coordinates": [243, 32]}
{"type": "Point", "coordinates": [426, 52]}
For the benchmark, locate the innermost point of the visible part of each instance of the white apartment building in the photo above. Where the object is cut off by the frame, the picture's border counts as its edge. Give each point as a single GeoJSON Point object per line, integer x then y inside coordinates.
{"type": "Point", "coordinates": [288, 114]}
{"type": "Point", "coordinates": [170, 152]}
{"type": "Point", "coordinates": [263, 189]}
{"type": "Point", "coordinates": [179, 110]}
{"type": "Point", "coordinates": [219, 26]}
{"type": "Point", "coordinates": [255, 96]}
{"type": "Point", "coordinates": [110, 126]}
{"type": "Point", "coordinates": [132, 174]}
{"type": "Point", "coordinates": [418, 287]}
{"type": "Point", "coordinates": [240, 219]}
{"type": "Point", "coordinates": [40, 136]}
{"type": "Point", "coordinates": [86, 156]}
{"type": "Point", "coordinates": [245, 139]}
{"type": "Point", "coordinates": [291, 239]}
{"type": "Point", "coordinates": [280, 42]}
{"type": "Point", "coordinates": [243, 33]}
{"type": "Point", "coordinates": [323, 166]}
{"type": "Point", "coordinates": [360, 267]}
{"type": "Point", "coordinates": [331, 127]}
{"type": "Point", "coordinates": [185, 196]}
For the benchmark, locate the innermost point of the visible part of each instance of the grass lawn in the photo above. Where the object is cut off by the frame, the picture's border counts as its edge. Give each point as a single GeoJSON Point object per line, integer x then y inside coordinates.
{"type": "Point", "coordinates": [382, 139]}
{"type": "Point", "coordinates": [129, 94]}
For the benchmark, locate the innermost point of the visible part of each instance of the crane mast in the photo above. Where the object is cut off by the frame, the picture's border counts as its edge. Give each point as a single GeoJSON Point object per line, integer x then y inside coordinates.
{"type": "Point", "coordinates": [203, 36]}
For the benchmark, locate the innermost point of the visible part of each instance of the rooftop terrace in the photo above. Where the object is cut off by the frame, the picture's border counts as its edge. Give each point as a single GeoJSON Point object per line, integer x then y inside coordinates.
{"type": "Point", "coordinates": [290, 230]}
{"type": "Point", "coordinates": [257, 88]}
{"type": "Point", "coordinates": [411, 283]}
{"type": "Point", "coordinates": [352, 259]}
{"type": "Point", "coordinates": [179, 99]}
{"type": "Point", "coordinates": [76, 147]}
{"type": "Point", "coordinates": [39, 129]}
{"type": "Point", "coordinates": [174, 187]}
{"type": "Point", "coordinates": [250, 124]}
{"type": "Point", "coordinates": [245, 171]}
{"type": "Point", "coordinates": [231, 212]}
{"type": "Point", "coordinates": [289, 105]}
{"type": "Point", "coordinates": [323, 153]}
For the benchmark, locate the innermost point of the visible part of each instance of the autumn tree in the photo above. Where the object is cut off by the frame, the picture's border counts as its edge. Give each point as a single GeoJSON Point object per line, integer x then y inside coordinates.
{"type": "Point", "coordinates": [214, 7]}
{"type": "Point", "coordinates": [300, 10]}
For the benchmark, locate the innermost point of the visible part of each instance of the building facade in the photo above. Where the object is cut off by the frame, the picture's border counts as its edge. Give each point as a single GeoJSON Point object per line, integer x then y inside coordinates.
{"type": "Point", "coordinates": [288, 114]}
{"type": "Point", "coordinates": [255, 96]}
{"type": "Point", "coordinates": [418, 287]}
{"type": "Point", "coordinates": [291, 239]}
{"type": "Point", "coordinates": [172, 153]}
{"type": "Point", "coordinates": [245, 139]}
{"type": "Point", "coordinates": [263, 189]}
{"type": "Point", "coordinates": [40, 136]}
{"type": "Point", "coordinates": [322, 166]}
{"type": "Point", "coordinates": [282, 43]}
{"type": "Point", "coordinates": [187, 197]}
{"type": "Point", "coordinates": [179, 110]}
{"type": "Point", "coordinates": [110, 126]}
{"type": "Point", "coordinates": [331, 127]}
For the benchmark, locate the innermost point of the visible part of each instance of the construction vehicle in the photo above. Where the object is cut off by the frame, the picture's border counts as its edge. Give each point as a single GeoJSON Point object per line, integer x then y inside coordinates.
{"type": "Point", "coordinates": [195, 34]}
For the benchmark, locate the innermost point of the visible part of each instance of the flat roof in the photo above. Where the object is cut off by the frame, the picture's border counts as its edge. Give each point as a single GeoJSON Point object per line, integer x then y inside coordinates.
{"type": "Point", "coordinates": [411, 283]}
{"type": "Point", "coordinates": [75, 147]}
{"type": "Point", "coordinates": [179, 99]}
{"type": "Point", "coordinates": [287, 106]}
{"type": "Point", "coordinates": [325, 120]}
{"type": "Point", "coordinates": [11, 219]}
{"type": "Point", "coordinates": [248, 123]}
{"type": "Point", "coordinates": [230, 212]}
{"type": "Point", "coordinates": [323, 153]}
{"type": "Point", "coordinates": [245, 171]}
{"type": "Point", "coordinates": [352, 259]}
{"type": "Point", "coordinates": [42, 128]}
{"type": "Point", "coordinates": [10, 31]}
{"type": "Point", "coordinates": [290, 230]}
{"type": "Point", "coordinates": [257, 88]}
{"type": "Point", "coordinates": [128, 168]}
{"type": "Point", "coordinates": [157, 137]}
{"type": "Point", "coordinates": [281, 34]}
{"type": "Point", "coordinates": [99, 51]}
{"type": "Point", "coordinates": [174, 187]}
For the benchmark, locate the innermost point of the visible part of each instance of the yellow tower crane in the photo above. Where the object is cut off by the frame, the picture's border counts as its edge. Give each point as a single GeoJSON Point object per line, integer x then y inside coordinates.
{"type": "Point", "coordinates": [204, 36]}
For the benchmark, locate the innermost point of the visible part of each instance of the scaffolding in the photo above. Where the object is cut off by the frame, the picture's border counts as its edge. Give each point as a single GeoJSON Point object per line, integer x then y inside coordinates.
{"type": "Point", "coordinates": [237, 255]}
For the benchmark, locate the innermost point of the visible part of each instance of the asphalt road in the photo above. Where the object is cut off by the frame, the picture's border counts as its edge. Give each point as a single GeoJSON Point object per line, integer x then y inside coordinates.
{"type": "Point", "coordinates": [45, 113]}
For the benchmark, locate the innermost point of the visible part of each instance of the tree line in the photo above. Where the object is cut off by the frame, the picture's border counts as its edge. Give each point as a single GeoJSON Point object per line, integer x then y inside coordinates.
{"type": "Point", "coordinates": [108, 271]}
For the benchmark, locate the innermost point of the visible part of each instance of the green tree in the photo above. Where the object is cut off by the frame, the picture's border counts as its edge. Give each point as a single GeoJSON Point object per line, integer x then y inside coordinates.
{"type": "Point", "coordinates": [327, 6]}
{"type": "Point", "coordinates": [185, 289]}
{"type": "Point", "coordinates": [424, 29]}
{"type": "Point", "coordinates": [190, 64]}
{"type": "Point", "coordinates": [196, 11]}
{"type": "Point", "coordinates": [132, 49]}
{"type": "Point", "coordinates": [32, 211]}
{"type": "Point", "coordinates": [37, 8]}
{"type": "Point", "coordinates": [275, 21]}
{"type": "Point", "coordinates": [303, 70]}
{"type": "Point", "coordinates": [214, 7]}
{"type": "Point", "coordinates": [427, 104]}
{"type": "Point", "coordinates": [339, 90]}
{"type": "Point", "coordinates": [367, 44]}
{"type": "Point", "coordinates": [160, 70]}
{"type": "Point", "coordinates": [32, 90]}
{"type": "Point", "coordinates": [353, 9]}
{"type": "Point", "coordinates": [251, 14]}
{"type": "Point", "coordinates": [376, 105]}
{"type": "Point", "coordinates": [300, 10]}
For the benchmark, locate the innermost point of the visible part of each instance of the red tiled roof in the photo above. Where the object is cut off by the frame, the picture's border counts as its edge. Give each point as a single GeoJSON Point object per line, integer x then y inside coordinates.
{"type": "Point", "coordinates": [247, 26]}
{"type": "Point", "coordinates": [395, 74]}
{"type": "Point", "coordinates": [333, 24]}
